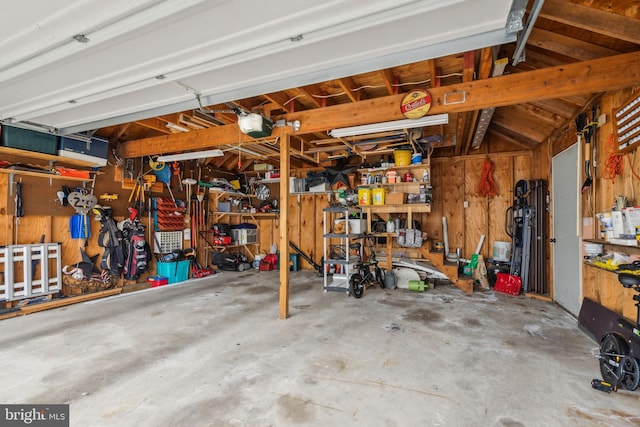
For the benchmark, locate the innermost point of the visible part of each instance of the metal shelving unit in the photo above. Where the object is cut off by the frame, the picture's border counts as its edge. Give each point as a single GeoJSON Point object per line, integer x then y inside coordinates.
{"type": "Point", "coordinates": [337, 266]}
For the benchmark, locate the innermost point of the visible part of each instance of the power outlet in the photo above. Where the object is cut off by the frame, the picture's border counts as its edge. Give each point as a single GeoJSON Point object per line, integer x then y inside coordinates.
{"type": "Point", "coordinates": [602, 119]}
{"type": "Point", "coordinates": [465, 204]}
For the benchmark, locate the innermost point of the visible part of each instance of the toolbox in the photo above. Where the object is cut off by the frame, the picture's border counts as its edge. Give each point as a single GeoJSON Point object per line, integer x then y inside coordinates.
{"type": "Point", "coordinates": [30, 140]}
{"type": "Point", "coordinates": [79, 147]}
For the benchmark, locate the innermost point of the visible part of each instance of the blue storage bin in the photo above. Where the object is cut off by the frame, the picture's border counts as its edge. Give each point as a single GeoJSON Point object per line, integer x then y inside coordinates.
{"type": "Point", "coordinates": [176, 271]}
{"type": "Point", "coordinates": [79, 147]}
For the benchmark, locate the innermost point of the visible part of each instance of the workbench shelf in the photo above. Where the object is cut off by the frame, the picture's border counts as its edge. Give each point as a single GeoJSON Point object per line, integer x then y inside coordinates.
{"type": "Point", "coordinates": [588, 264]}
{"type": "Point", "coordinates": [410, 167]}
{"type": "Point", "coordinates": [50, 158]}
{"type": "Point", "coordinates": [634, 249]}
{"type": "Point", "coordinates": [44, 175]}
{"type": "Point", "coordinates": [604, 242]}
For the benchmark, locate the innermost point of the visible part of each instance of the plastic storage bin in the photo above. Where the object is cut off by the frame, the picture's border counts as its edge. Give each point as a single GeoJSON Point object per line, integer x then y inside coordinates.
{"type": "Point", "coordinates": [91, 150]}
{"type": "Point", "coordinates": [177, 271]}
{"type": "Point", "coordinates": [167, 241]}
{"type": "Point", "coordinates": [157, 281]}
{"type": "Point", "coordinates": [30, 140]}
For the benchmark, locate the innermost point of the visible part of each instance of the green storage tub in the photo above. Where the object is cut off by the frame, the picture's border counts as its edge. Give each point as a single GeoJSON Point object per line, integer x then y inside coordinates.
{"type": "Point", "coordinates": [29, 140]}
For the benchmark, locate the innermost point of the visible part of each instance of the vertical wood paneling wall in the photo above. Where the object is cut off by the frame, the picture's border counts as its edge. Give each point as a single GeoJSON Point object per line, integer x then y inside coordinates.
{"type": "Point", "coordinates": [599, 285]}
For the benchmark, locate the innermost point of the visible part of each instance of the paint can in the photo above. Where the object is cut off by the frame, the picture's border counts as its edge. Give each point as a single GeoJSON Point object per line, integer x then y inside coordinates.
{"type": "Point", "coordinates": [501, 251]}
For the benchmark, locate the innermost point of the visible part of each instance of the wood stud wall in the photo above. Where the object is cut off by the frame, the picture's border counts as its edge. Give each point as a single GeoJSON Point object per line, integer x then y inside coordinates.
{"type": "Point", "coordinates": [454, 182]}
{"type": "Point", "coordinates": [600, 285]}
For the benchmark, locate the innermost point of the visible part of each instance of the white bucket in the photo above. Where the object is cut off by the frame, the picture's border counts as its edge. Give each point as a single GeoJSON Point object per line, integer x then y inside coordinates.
{"type": "Point", "coordinates": [256, 260]}
{"type": "Point", "coordinates": [501, 251]}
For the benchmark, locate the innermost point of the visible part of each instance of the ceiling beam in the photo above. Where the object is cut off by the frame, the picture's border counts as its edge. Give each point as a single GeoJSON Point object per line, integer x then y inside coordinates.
{"type": "Point", "coordinates": [281, 100]}
{"type": "Point", "coordinates": [591, 19]}
{"type": "Point", "coordinates": [484, 72]}
{"type": "Point", "coordinates": [567, 46]}
{"type": "Point", "coordinates": [389, 80]}
{"type": "Point", "coordinates": [155, 124]}
{"type": "Point", "coordinates": [434, 73]}
{"type": "Point", "coordinates": [599, 75]}
{"type": "Point", "coordinates": [466, 120]}
{"type": "Point", "coordinates": [349, 87]}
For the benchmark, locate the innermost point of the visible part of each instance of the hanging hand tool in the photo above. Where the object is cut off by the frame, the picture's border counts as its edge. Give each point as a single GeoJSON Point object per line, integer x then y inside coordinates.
{"type": "Point", "coordinates": [162, 172]}
{"type": "Point", "coordinates": [594, 126]}
{"type": "Point", "coordinates": [177, 172]}
{"type": "Point", "coordinates": [200, 197]}
{"type": "Point", "coordinates": [19, 206]}
{"type": "Point", "coordinates": [133, 190]}
{"type": "Point", "coordinates": [189, 182]}
{"type": "Point", "coordinates": [583, 131]}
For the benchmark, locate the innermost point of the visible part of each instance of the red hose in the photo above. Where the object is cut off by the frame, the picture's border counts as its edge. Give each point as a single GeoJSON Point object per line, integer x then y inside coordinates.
{"type": "Point", "coordinates": [487, 186]}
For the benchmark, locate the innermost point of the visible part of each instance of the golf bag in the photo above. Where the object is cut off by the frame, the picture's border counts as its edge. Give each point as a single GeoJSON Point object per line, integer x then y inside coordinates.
{"type": "Point", "coordinates": [136, 250]}
{"type": "Point", "coordinates": [110, 238]}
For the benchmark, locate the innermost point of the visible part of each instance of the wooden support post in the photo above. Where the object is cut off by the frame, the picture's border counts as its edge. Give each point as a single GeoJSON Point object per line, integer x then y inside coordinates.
{"type": "Point", "coordinates": [285, 170]}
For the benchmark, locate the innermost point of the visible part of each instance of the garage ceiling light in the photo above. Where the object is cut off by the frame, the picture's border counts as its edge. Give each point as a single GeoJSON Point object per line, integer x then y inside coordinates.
{"type": "Point", "coordinates": [190, 156]}
{"type": "Point", "coordinates": [437, 119]}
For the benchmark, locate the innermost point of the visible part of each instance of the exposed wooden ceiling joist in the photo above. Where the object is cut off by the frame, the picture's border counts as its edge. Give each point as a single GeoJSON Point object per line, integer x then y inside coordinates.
{"type": "Point", "coordinates": [598, 21]}
{"type": "Point", "coordinates": [563, 81]}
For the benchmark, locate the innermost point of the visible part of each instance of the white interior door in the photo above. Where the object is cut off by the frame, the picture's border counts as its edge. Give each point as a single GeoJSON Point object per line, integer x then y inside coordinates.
{"type": "Point", "coordinates": [567, 265]}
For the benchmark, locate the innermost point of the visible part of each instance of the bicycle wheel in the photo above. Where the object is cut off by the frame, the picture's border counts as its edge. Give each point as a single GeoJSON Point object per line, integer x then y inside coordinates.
{"type": "Point", "coordinates": [379, 276]}
{"type": "Point", "coordinates": [612, 349]}
{"type": "Point", "coordinates": [356, 287]}
{"type": "Point", "coordinates": [629, 373]}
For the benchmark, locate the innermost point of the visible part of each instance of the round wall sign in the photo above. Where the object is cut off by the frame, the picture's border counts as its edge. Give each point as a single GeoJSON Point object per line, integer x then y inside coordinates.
{"type": "Point", "coordinates": [416, 104]}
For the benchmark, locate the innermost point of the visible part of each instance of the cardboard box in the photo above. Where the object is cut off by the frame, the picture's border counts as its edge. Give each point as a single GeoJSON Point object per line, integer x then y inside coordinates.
{"type": "Point", "coordinates": [588, 230]}
{"type": "Point", "coordinates": [632, 216]}
{"type": "Point", "coordinates": [620, 224]}
{"type": "Point", "coordinates": [262, 167]}
{"type": "Point", "coordinates": [395, 198]}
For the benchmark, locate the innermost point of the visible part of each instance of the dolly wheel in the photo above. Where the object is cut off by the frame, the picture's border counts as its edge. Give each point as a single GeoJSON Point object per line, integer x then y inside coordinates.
{"type": "Point", "coordinates": [629, 373]}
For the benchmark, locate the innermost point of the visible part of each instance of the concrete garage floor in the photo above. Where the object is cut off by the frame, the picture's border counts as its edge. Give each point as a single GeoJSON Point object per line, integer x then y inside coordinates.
{"type": "Point", "coordinates": [213, 352]}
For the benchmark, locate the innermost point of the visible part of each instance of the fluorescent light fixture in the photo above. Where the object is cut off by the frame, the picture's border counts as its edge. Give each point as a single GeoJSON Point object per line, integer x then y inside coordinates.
{"type": "Point", "coordinates": [190, 156]}
{"type": "Point", "coordinates": [176, 127]}
{"type": "Point", "coordinates": [437, 119]}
